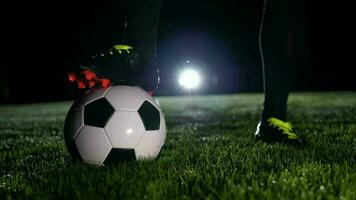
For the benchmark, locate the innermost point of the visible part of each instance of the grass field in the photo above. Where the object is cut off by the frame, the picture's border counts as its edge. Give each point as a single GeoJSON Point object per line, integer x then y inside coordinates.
{"type": "Point", "coordinates": [209, 153]}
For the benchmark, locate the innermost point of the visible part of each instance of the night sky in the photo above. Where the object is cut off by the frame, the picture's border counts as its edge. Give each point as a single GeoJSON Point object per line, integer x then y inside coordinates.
{"type": "Point", "coordinates": [42, 39]}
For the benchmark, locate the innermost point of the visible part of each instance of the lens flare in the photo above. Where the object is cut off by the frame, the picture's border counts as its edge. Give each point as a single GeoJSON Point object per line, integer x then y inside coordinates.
{"type": "Point", "coordinates": [189, 79]}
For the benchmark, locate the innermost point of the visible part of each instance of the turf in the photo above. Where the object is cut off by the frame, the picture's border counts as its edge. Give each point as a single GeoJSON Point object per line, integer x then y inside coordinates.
{"type": "Point", "coordinates": [209, 153]}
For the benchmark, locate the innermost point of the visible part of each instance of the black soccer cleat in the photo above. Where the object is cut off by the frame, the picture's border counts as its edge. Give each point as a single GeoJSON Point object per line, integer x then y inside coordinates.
{"type": "Point", "coordinates": [123, 65]}
{"type": "Point", "coordinates": [276, 130]}
{"type": "Point", "coordinates": [118, 64]}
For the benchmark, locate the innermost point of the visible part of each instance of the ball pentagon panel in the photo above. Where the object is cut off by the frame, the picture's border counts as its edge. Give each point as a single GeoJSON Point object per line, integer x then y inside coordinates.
{"type": "Point", "coordinates": [150, 116]}
{"type": "Point", "coordinates": [118, 155]}
{"type": "Point", "coordinates": [98, 112]}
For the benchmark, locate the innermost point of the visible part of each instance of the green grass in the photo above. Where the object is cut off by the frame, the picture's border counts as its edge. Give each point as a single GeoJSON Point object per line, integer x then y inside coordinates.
{"type": "Point", "coordinates": [209, 153]}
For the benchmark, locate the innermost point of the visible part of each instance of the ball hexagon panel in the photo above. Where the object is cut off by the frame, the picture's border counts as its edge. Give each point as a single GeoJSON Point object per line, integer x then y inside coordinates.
{"type": "Point", "coordinates": [92, 144]}
{"type": "Point", "coordinates": [98, 112]}
{"type": "Point", "coordinates": [93, 94]}
{"type": "Point", "coordinates": [149, 146]}
{"type": "Point", "coordinates": [117, 155]}
{"type": "Point", "coordinates": [124, 129]}
{"type": "Point", "coordinates": [149, 98]}
{"type": "Point", "coordinates": [163, 127]}
{"type": "Point", "coordinates": [150, 116]}
{"type": "Point", "coordinates": [124, 98]}
{"type": "Point", "coordinates": [73, 150]}
{"type": "Point", "coordinates": [74, 121]}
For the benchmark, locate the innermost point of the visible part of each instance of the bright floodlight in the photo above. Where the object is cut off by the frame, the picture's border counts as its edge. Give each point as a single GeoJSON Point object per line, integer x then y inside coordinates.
{"type": "Point", "coordinates": [189, 79]}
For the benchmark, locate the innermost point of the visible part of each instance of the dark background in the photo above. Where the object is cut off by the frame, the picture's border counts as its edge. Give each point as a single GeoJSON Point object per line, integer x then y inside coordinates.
{"type": "Point", "coordinates": [40, 40]}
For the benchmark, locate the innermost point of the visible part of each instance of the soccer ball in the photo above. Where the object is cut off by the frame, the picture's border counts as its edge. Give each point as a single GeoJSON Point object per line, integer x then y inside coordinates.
{"type": "Point", "coordinates": [110, 125]}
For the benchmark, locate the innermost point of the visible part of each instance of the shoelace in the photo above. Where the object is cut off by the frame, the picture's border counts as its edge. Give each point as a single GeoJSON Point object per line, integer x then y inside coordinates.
{"type": "Point", "coordinates": [285, 127]}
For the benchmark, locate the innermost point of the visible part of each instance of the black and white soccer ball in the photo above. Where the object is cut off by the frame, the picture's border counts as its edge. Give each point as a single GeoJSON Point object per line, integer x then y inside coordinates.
{"type": "Point", "coordinates": [109, 125]}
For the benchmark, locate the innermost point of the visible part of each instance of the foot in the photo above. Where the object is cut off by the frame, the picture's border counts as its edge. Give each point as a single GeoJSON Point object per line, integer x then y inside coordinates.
{"type": "Point", "coordinates": [117, 63]}
{"type": "Point", "coordinates": [276, 130]}
{"type": "Point", "coordinates": [123, 65]}
{"type": "Point", "coordinates": [120, 65]}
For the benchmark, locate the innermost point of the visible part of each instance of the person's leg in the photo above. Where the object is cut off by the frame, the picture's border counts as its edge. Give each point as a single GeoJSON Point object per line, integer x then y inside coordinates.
{"type": "Point", "coordinates": [281, 46]}
{"type": "Point", "coordinates": [141, 32]}
{"type": "Point", "coordinates": [137, 65]}
{"type": "Point", "coordinates": [142, 20]}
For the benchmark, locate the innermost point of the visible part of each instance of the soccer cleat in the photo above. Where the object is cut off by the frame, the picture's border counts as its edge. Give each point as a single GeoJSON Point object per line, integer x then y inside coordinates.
{"type": "Point", "coordinates": [276, 130]}
{"type": "Point", "coordinates": [116, 64]}
{"type": "Point", "coordinates": [120, 65]}
{"type": "Point", "coordinates": [123, 65]}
